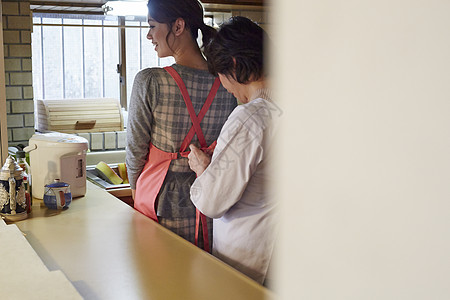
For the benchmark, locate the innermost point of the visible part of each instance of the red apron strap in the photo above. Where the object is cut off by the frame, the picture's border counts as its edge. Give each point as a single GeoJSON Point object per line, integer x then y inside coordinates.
{"type": "Point", "coordinates": [210, 147]}
{"type": "Point", "coordinates": [197, 225]}
{"type": "Point", "coordinates": [187, 100]}
{"type": "Point", "coordinates": [202, 113]}
{"type": "Point", "coordinates": [201, 218]}
{"type": "Point", "coordinates": [205, 233]}
{"type": "Point", "coordinates": [190, 107]}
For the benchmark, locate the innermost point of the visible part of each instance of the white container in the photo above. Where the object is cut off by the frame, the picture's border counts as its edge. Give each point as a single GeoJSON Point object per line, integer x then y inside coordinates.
{"type": "Point", "coordinates": [57, 155]}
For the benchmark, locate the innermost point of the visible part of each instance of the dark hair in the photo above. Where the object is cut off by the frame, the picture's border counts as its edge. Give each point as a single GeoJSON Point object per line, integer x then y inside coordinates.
{"type": "Point", "coordinates": [242, 40]}
{"type": "Point", "coordinates": [191, 11]}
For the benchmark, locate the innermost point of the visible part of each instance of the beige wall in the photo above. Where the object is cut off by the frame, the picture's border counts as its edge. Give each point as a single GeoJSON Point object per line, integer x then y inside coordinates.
{"type": "Point", "coordinates": [364, 151]}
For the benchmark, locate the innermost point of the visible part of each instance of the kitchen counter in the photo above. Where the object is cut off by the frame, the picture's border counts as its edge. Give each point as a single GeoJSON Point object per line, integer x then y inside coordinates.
{"type": "Point", "coordinates": [110, 251]}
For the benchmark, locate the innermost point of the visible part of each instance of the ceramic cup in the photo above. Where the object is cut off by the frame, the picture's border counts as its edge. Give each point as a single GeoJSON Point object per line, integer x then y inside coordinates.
{"type": "Point", "coordinates": [57, 195]}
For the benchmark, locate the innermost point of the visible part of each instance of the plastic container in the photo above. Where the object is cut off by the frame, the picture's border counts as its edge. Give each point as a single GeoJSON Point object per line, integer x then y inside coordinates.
{"type": "Point", "coordinates": [58, 155]}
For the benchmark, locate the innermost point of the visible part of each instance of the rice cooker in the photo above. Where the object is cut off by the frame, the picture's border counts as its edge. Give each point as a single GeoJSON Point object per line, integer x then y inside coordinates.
{"type": "Point", "coordinates": [56, 155]}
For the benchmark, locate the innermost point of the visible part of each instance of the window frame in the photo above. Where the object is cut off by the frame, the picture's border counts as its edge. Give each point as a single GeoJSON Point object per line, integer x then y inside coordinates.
{"type": "Point", "coordinates": [121, 68]}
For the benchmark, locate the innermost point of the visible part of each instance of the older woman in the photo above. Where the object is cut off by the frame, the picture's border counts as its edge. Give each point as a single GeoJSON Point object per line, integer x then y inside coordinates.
{"type": "Point", "coordinates": [232, 186]}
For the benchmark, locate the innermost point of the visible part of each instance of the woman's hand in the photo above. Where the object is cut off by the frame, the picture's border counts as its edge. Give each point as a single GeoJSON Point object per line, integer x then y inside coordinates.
{"type": "Point", "coordinates": [198, 160]}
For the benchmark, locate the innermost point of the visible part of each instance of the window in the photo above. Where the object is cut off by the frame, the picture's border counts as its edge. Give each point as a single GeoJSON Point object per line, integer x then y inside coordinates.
{"type": "Point", "coordinates": [140, 52]}
{"type": "Point", "coordinates": [77, 56]}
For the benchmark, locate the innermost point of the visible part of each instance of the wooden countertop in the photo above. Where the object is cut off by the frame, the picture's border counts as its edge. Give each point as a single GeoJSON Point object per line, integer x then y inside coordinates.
{"type": "Point", "coordinates": [110, 251]}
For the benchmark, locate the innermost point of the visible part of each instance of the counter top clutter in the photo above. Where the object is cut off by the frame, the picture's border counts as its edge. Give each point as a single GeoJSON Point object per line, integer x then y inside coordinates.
{"type": "Point", "coordinates": [107, 250]}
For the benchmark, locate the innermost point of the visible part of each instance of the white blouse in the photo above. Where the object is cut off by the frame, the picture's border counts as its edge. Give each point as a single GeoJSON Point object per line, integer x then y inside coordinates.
{"type": "Point", "coordinates": [234, 189]}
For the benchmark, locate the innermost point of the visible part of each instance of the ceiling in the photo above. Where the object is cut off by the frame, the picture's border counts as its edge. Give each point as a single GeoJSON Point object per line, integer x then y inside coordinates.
{"type": "Point", "coordinates": [95, 6]}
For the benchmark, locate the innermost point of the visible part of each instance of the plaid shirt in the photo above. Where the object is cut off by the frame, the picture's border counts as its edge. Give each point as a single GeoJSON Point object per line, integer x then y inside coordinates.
{"type": "Point", "coordinates": [158, 114]}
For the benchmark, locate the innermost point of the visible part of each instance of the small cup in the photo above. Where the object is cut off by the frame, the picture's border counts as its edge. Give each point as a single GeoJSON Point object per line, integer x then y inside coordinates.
{"type": "Point", "coordinates": [57, 195]}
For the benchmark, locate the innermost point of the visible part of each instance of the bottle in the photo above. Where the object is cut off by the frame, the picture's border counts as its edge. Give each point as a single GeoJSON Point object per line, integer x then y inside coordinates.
{"type": "Point", "coordinates": [21, 160]}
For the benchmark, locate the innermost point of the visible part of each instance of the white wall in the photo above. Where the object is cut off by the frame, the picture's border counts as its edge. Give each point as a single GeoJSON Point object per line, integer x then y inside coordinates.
{"type": "Point", "coordinates": [364, 162]}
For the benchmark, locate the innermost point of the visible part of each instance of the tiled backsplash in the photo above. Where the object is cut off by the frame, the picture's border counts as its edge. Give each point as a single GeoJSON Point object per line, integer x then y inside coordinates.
{"type": "Point", "coordinates": [105, 141]}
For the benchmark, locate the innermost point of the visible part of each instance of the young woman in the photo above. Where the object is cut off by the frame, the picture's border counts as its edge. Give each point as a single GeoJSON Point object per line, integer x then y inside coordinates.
{"type": "Point", "coordinates": [170, 108]}
{"type": "Point", "coordinates": [232, 187]}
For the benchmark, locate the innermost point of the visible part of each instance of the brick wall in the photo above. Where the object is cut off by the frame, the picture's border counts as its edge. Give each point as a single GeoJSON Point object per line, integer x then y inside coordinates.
{"type": "Point", "coordinates": [17, 24]}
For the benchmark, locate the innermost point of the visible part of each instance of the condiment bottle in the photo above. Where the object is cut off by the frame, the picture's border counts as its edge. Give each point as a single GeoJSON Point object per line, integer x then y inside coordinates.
{"type": "Point", "coordinates": [22, 162]}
